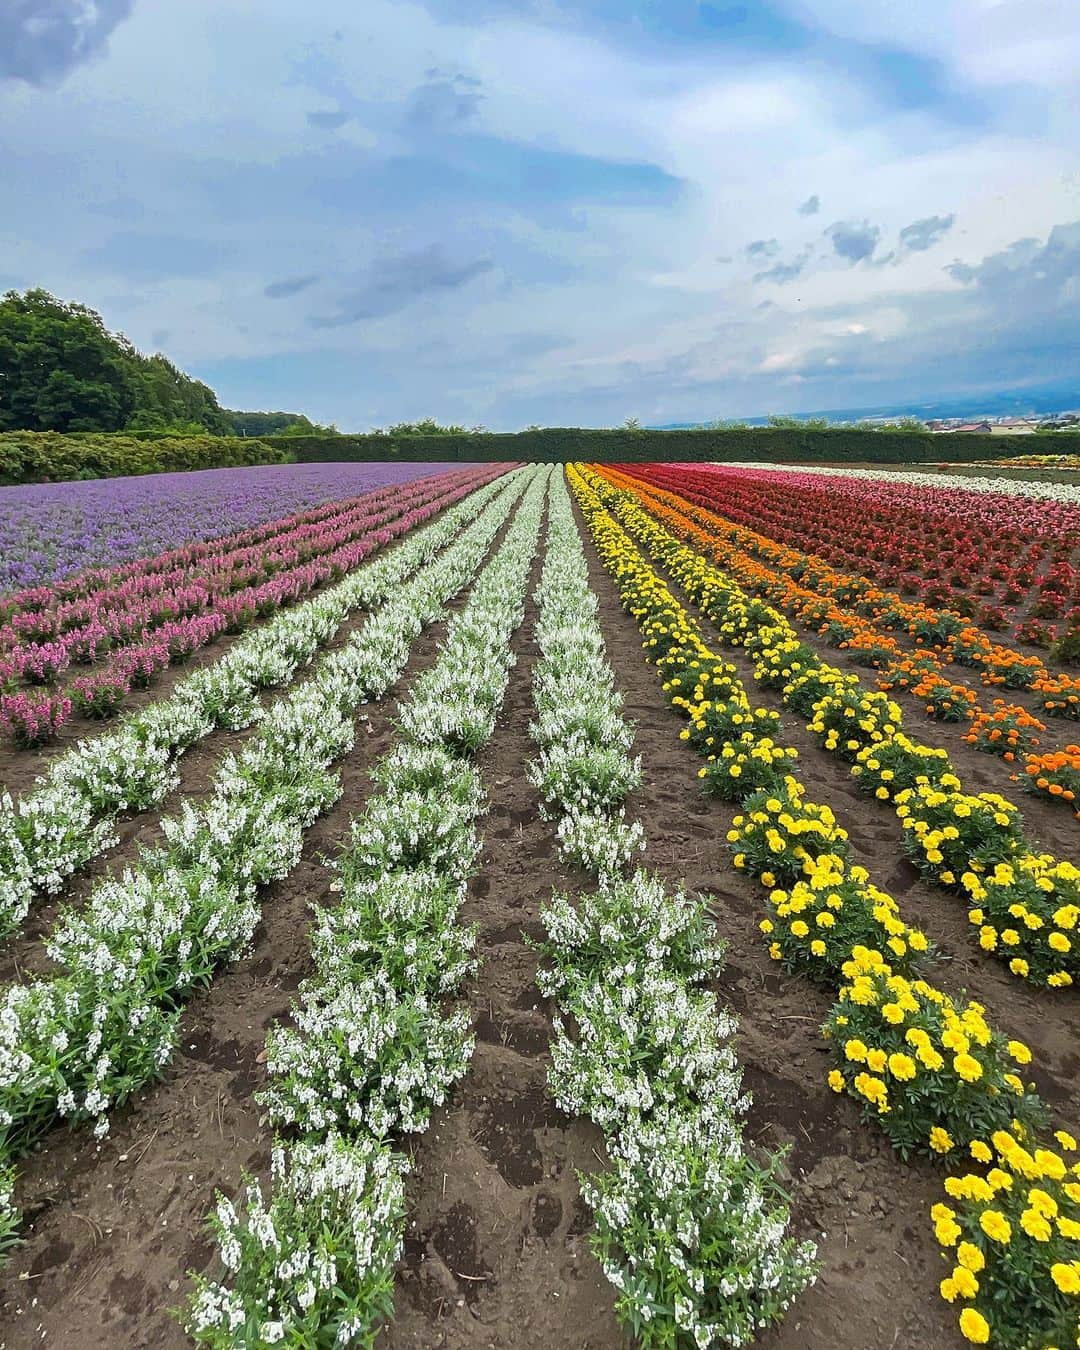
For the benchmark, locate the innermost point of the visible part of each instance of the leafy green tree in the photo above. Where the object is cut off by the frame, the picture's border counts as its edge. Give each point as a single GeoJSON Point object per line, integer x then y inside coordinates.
{"type": "Point", "coordinates": [60, 368]}
{"type": "Point", "coordinates": [798, 423]}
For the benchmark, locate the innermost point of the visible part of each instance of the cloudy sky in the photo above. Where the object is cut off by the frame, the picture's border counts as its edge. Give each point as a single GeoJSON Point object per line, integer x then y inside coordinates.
{"type": "Point", "coordinates": [555, 211]}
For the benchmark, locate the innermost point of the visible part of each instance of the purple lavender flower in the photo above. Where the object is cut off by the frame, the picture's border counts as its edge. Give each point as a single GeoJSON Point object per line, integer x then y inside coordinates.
{"type": "Point", "coordinates": [51, 530]}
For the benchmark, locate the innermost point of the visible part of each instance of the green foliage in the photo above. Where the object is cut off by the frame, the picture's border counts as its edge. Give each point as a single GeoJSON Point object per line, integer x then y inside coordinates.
{"type": "Point", "coordinates": [798, 423]}
{"type": "Point", "coordinates": [559, 445]}
{"type": "Point", "coordinates": [62, 370]}
{"type": "Point", "coordinates": [47, 456]}
{"type": "Point", "coordinates": [275, 424]}
{"type": "Point", "coordinates": [428, 427]}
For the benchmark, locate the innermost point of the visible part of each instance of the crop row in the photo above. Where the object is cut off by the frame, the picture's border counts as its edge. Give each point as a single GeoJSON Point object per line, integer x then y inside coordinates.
{"type": "Point", "coordinates": [56, 534]}
{"type": "Point", "coordinates": [1005, 730]}
{"type": "Point", "coordinates": [690, 1229]}
{"type": "Point", "coordinates": [991, 557]}
{"type": "Point", "coordinates": [370, 1048]}
{"type": "Point", "coordinates": [932, 1073]}
{"type": "Point", "coordinates": [855, 613]}
{"type": "Point", "coordinates": [1025, 904]}
{"type": "Point", "coordinates": [69, 818]}
{"type": "Point", "coordinates": [74, 1045]}
{"type": "Point", "coordinates": [143, 626]}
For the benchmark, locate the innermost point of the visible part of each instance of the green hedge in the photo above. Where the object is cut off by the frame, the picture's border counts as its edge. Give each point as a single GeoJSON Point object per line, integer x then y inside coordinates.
{"type": "Point", "coordinates": [48, 456]}
{"type": "Point", "coordinates": [561, 444]}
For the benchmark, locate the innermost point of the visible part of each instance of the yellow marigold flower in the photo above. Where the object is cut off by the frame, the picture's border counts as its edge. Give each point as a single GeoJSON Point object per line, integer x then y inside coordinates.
{"type": "Point", "coordinates": [1035, 1226]}
{"type": "Point", "coordinates": [1069, 1228]}
{"type": "Point", "coordinates": [817, 947]}
{"type": "Point", "coordinates": [970, 1257]}
{"type": "Point", "coordinates": [1045, 1204]}
{"type": "Point", "coordinates": [876, 1060]}
{"type": "Point", "coordinates": [892, 1012]}
{"type": "Point", "coordinates": [767, 879]}
{"type": "Point", "coordinates": [902, 1066]}
{"type": "Point", "coordinates": [999, 1180]}
{"type": "Point", "coordinates": [1050, 1165]}
{"type": "Point", "coordinates": [836, 1080]}
{"type": "Point", "coordinates": [947, 1231]}
{"type": "Point", "coordinates": [1066, 1276]}
{"type": "Point", "coordinates": [967, 1286]}
{"type": "Point", "coordinates": [948, 1290]}
{"type": "Point", "coordinates": [1019, 966]}
{"type": "Point", "coordinates": [1059, 942]}
{"type": "Point", "coordinates": [995, 1225]}
{"type": "Point", "coordinates": [799, 929]}
{"type": "Point", "coordinates": [940, 1140]}
{"type": "Point", "coordinates": [968, 1068]}
{"type": "Point", "coordinates": [940, 1211]}
{"type": "Point", "coordinates": [766, 926]}
{"type": "Point", "coordinates": [1011, 1080]}
{"type": "Point", "coordinates": [775, 952]}
{"type": "Point", "coordinates": [1065, 1139]}
{"type": "Point", "coordinates": [1019, 1052]}
{"type": "Point", "coordinates": [980, 1152]}
{"type": "Point", "coordinates": [974, 1326]}
{"type": "Point", "coordinates": [855, 1050]}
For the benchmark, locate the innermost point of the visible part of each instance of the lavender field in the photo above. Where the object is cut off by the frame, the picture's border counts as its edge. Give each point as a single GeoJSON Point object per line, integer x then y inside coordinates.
{"type": "Point", "coordinates": [50, 530]}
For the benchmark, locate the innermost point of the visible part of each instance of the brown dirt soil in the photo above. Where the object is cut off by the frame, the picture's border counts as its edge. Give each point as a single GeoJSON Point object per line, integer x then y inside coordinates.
{"type": "Point", "coordinates": [496, 1253]}
{"type": "Point", "coordinates": [112, 1229]}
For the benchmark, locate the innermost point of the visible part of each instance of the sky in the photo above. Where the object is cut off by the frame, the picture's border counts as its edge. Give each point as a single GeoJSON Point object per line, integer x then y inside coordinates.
{"type": "Point", "coordinates": [555, 212]}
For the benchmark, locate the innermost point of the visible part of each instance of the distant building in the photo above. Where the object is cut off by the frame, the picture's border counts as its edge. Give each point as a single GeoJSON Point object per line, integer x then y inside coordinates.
{"type": "Point", "coordinates": [1012, 428]}
{"type": "Point", "coordinates": [983, 427]}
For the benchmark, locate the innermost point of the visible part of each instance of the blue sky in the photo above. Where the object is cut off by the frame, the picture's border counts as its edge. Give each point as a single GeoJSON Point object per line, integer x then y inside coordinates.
{"type": "Point", "coordinates": [555, 211]}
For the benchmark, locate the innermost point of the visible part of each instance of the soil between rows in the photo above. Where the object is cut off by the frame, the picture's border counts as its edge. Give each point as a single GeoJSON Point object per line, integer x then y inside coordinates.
{"type": "Point", "coordinates": [112, 1229]}
{"type": "Point", "coordinates": [867, 1210]}
{"type": "Point", "coordinates": [496, 1252]}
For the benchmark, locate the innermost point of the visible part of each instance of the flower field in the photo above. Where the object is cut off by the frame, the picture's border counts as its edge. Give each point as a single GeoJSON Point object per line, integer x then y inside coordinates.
{"type": "Point", "coordinates": [506, 905]}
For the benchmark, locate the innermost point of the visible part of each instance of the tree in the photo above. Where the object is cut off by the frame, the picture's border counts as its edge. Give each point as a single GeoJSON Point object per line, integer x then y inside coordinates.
{"type": "Point", "coordinates": [632, 424]}
{"type": "Point", "coordinates": [60, 368]}
{"type": "Point", "coordinates": [798, 423]}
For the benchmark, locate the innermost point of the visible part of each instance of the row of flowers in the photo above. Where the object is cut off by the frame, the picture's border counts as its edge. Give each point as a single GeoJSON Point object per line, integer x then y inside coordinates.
{"type": "Point", "coordinates": [993, 558]}
{"type": "Point", "coordinates": [690, 1229]}
{"type": "Point", "coordinates": [28, 610]}
{"type": "Point", "coordinates": [932, 1072]}
{"type": "Point", "coordinates": [1006, 730]}
{"type": "Point", "coordinates": [79, 1042]}
{"type": "Point", "coordinates": [1025, 905]}
{"type": "Point", "coordinates": [854, 611]}
{"type": "Point", "coordinates": [370, 1048]}
{"type": "Point", "coordinates": [70, 816]}
{"type": "Point", "coordinates": [141, 635]}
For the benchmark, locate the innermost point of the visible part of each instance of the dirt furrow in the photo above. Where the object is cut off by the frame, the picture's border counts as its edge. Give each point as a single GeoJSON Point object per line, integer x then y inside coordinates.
{"type": "Point", "coordinates": [111, 1229]}
{"type": "Point", "coordinates": [496, 1253]}
{"type": "Point", "coordinates": [878, 1284]}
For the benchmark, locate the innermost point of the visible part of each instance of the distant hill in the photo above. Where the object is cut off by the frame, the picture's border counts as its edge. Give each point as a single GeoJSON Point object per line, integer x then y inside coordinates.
{"type": "Point", "coordinates": [1006, 403]}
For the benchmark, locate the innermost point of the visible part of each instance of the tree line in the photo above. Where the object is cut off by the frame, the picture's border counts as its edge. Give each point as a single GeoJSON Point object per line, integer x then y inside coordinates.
{"type": "Point", "coordinates": [61, 369]}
